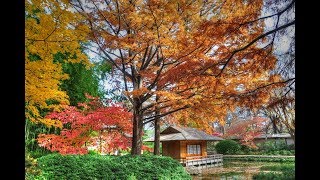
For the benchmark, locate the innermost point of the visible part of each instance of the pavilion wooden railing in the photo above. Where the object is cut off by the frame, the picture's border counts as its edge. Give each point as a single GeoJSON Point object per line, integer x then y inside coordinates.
{"type": "Point", "coordinates": [203, 161]}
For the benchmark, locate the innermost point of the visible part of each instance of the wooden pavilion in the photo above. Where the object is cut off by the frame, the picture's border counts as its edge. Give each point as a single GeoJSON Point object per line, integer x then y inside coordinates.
{"type": "Point", "coordinates": [184, 143]}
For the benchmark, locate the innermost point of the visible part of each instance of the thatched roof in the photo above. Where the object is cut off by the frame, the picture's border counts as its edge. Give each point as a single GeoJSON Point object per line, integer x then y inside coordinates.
{"type": "Point", "coordinates": [173, 133]}
{"type": "Point", "coordinates": [269, 136]}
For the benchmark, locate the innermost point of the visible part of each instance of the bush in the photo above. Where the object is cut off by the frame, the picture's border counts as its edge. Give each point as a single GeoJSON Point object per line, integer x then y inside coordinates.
{"type": "Point", "coordinates": [56, 166]}
{"type": "Point", "coordinates": [38, 153]}
{"type": "Point", "coordinates": [272, 145]}
{"type": "Point", "coordinates": [248, 150]}
{"type": "Point", "coordinates": [227, 147]}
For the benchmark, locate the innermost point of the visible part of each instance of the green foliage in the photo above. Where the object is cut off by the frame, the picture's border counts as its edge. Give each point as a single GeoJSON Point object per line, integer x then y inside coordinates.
{"type": "Point", "coordinates": [81, 80]}
{"type": "Point", "coordinates": [34, 57]}
{"type": "Point", "coordinates": [227, 147]}
{"type": "Point", "coordinates": [56, 166]}
{"type": "Point", "coordinates": [279, 172]}
{"type": "Point", "coordinates": [39, 152]}
{"type": "Point", "coordinates": [102, 68]}
{"type": "Point", "coordinates": [270, 147]}
{"type": "Point", "coordinates": [274, 145]}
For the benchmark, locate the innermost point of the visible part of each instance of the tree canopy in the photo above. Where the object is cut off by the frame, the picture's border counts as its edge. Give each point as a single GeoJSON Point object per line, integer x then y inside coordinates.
{"type": "Point", "coordinates": [180, 61]}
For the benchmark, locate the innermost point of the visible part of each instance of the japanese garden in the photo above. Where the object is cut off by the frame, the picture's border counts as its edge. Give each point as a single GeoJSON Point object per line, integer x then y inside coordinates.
{"type": "Point", "coordinates": [159, 89]}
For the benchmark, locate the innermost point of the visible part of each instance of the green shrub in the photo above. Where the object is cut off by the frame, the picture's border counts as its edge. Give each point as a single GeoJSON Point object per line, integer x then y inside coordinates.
{"type": "Point", "coordinates": [38, 153]}
{"type": "Point", "coordinates": [56, 166]}
{"type": "Point", "coordinates": [227, 147]}
{"type": "Point", "coordinates": [274, 145]}
{"type": "Point", "coordinates": [247, 149]}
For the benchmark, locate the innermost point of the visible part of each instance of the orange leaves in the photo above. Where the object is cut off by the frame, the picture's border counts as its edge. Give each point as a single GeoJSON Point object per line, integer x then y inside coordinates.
{"type": "Point", "coordinates": [188, 53]}
{"type": "Point", "coordinates": [137, 92]}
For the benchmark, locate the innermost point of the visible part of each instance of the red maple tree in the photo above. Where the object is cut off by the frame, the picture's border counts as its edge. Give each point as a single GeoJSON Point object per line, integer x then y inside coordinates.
{"type": "Point", "coordinates": [90, 124]}
{"type": "Point", "coordinates": [247, 130]}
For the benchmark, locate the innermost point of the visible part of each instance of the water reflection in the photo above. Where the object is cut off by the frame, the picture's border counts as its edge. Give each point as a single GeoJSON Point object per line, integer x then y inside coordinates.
{"type": "Point", "coordinates": [240, 176]}
{"type": "Point", "coordinates": [231, 171]}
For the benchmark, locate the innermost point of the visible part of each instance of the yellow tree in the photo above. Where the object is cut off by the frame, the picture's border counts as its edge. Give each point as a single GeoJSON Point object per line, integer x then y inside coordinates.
{"type": "Point", "coordinates": [175, 55]}
{"type": "Point", "coordinates": [50, 27]}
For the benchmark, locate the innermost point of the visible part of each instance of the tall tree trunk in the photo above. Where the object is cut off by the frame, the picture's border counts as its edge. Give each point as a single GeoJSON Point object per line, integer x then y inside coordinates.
{"type": "Point", "coordinates": [137, 130]}
{"type": "Point", "coordinates": [292, 134]}
{"type": "Point", "coordinates": [137, 115]}
{"type": "Point", "coordinates": [157, 131]}
{"type": "Point", "coordinates": [274, 125]}
{"type": "Point", "coordinates": [281, 128]}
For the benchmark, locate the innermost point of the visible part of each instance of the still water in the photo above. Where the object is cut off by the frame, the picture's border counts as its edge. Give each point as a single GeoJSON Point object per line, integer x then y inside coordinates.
{"type": "Point", "coordinates": [232, 170]}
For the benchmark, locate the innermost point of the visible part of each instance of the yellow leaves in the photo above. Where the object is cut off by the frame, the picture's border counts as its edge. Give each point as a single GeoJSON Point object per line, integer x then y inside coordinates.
{"type": "Point", "coordinates": [49, 28]}
{"type": "Point", "coordinates": [51, 122]}
{"type": "Point", "coordinates": [32, 112]}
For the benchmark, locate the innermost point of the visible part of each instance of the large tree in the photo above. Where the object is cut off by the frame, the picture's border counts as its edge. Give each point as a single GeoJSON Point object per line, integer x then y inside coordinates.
{"type": "Point", "coordinates": [192, 54]}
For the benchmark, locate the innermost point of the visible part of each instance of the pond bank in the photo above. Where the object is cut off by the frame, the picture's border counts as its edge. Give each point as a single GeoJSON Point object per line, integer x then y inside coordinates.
{"type": "Point", "coordinates": [235, 170]}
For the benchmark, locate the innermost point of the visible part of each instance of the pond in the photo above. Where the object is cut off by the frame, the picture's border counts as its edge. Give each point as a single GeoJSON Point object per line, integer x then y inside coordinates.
{"type": "Point", "coordinates": [231, 170]}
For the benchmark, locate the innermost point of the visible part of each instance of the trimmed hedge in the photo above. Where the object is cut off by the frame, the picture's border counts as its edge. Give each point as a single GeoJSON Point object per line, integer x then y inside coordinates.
{"type": "Point", "coordinates": [56, 166]}
{"type": "Point", "coordinates": [227, 147]}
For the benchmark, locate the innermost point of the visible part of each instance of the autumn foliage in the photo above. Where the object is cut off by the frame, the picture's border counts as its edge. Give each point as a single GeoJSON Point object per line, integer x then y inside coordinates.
{"type": "Point", "coordinates": [50, 28]}
{"type": "Point", "coordinates": [92, 124]}
{"type": "Point", "coordinates": [197, 56]}
{"type": "Point", "coordinates": [201, 59]}
{"type": "Point", "coordinates": [247, 130]}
